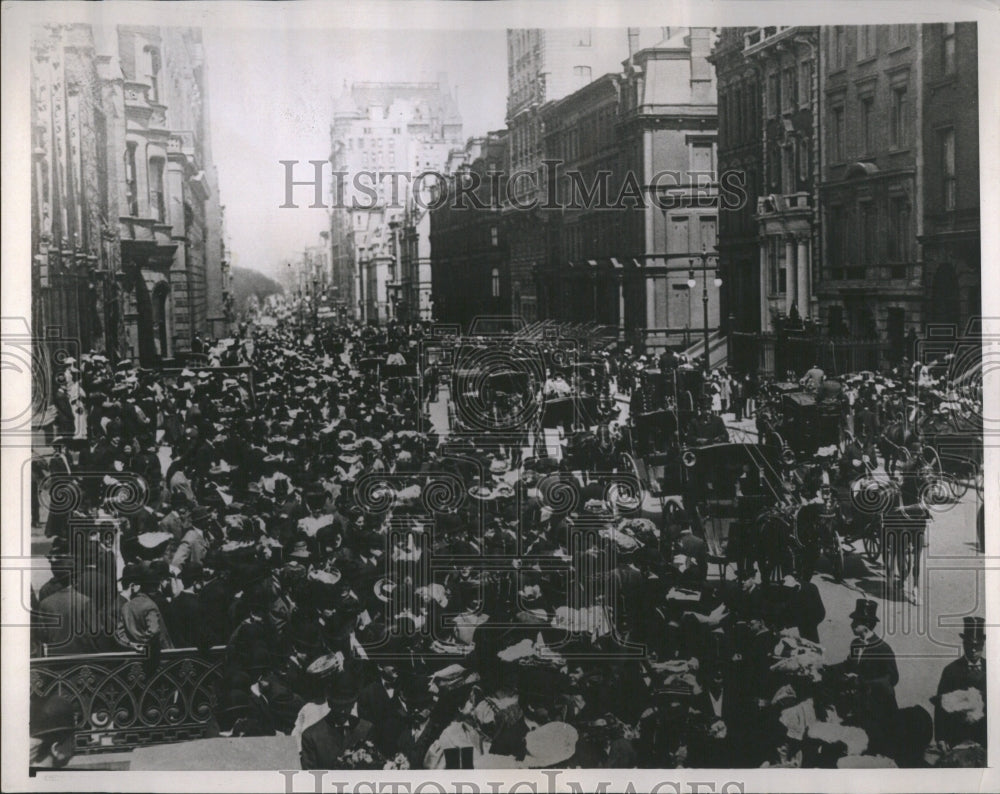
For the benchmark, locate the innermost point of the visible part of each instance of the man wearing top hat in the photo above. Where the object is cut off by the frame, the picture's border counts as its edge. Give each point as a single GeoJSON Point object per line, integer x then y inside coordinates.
{"type": "Point", "coordinates": [870, 658]}
{"type": "Point", "coordinates": [324, 742]}
{"type": "Point", "coordinates": [968, 672]}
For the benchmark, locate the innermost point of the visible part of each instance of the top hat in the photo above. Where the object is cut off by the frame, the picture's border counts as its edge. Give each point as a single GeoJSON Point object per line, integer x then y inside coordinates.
{"type": "Point", "coordinates": [975, 629]}
{"type": "Point", "coordinates": [864, 612]}
{"type": "Point", "coordinates": [343, 689]}
{"type": "Point", "coordinates": [54, 714]}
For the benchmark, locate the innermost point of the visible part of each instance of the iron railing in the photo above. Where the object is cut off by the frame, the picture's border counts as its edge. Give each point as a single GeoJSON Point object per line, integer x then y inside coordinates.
{"type": "Point", "coordinates": [121, 703]}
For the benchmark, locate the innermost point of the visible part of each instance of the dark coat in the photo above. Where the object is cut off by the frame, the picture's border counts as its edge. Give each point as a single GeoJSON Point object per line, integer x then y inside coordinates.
{"type": "Point", "coordinates": [323, 743]}
{"type": "Point", "coordinates": [875, 665]}
{"type": "Point", "coordinates": [388, 717]}
{"type": "Point", "coordinates": [952, 728]}
{"type": "Point", "coordinates": [186, 622]}
{"type": "Point", "coordinates": [72, 624]}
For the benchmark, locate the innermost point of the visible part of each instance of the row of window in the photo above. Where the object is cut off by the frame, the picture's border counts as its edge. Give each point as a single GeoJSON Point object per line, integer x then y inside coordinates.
{"type": "Point", "coordinates": [866, 39]}
{"type": "Point", "coordinates": [789, 88]}
{"type": "Point", "coordinates": [868, 142]}
{"type": "Point", "coordinates": [157, 197]}
{"type": "Point", "coordinates": [870, 39]}
{"type": "Point", "coordinates": [788, 166]}
{"type": "Point", "coordinates": [740, 115]}
{"type": "Point", "coordinates": [853, 234]}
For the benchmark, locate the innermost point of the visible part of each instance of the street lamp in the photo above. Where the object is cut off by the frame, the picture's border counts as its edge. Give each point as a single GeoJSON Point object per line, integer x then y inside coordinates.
{"type": "Point", "coordinates": [704, 297]}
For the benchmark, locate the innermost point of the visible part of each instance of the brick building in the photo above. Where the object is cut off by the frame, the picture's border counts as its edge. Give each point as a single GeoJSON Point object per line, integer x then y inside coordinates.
{"type": "Point", "coordinates": [871, 281]}
{"type": "Point", "coordinates": [740, 154]}
{"type": "Point", "coordinates": [544, 66]}
{"type": "Point", "coordinates": [468, 248]}
{"type": "Point", "coordinates": [950, 152]}
{"type": "Point", "coordinates": [787, 200]}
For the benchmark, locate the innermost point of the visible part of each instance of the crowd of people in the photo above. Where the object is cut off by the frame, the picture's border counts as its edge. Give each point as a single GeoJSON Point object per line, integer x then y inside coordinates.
{"type": "Point", "coordinates": [396, 596]}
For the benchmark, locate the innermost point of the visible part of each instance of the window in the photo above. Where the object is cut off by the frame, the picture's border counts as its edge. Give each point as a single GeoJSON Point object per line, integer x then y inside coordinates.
{"type": "Point", "coordinates": [899, 229]}
{"type": "Point", "coordinates": [583, 38]}
{"type": "Point", "coordinates": [131, 185]}
{"type": "Point", "coordinates": [803, 158]}
{"type": "Point", "coordinates": [582, 75]}
{"type": "Point", "coordinates": [495, 283]}
{"type": "Point", "coordinates": [791, 88]}
{"type": "Point", "coordinates": [835, 241]}
{"type": "Point", "coordinates": [948, 48]}
{"type": "Point", "coordinates": [867, 233]}
{"type": "Point", "coordinates": [949, 183]}
{"type": "Point", "coordinates": [866, 42]}
{"type": "Point", "coordinates": [899, 36]}
{"type": "Point", "coordinates": [839, 44]}
{"type": "Point", "coordinates": [868, 124]}
{"type": "Point", "coordinates": [837, 133]}
{"type": "Point", "coordinates": [774, 94]}
{"type": "Point", "coordinates": [805, 83]}
{"type": "Point", "coordinates": [153, 73]}
{"type": "Point", "coordinates": [494, 236]}
{"type": "Point", "coordinates": [899, 133]}
{"type": "Point", "coordinates": [157, 200]}
{"type": "Point", "coordinates": [701, 157]}
{"type": "Point", "coordinates": [708, 233]}
{"type": "Point", "coordinates": [788, 168]}
{"type": "Point", "coordinates": [776, 266]}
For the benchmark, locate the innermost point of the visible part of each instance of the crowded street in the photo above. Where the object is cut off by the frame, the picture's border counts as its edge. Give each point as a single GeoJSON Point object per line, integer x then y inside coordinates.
{"type": "Point", "coordinates": [429, 400]}
{"type": "Point", "coordinates": [331, 521]}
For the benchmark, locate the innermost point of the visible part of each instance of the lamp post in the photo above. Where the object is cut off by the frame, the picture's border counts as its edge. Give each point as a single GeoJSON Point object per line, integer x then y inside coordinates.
{"type": "Point", "coordinates": [704, 297]}
{"type": "Point", "coordinates": [315, 302]}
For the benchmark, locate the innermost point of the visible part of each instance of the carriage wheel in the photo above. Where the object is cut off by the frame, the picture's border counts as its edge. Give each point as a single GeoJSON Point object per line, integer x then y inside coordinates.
{"type": "Point", "coordinates": [871, 541]}
{"type": "Point", "coordinates": [959, 484]}
{"type": "Point", "coordinates": [838, 557]}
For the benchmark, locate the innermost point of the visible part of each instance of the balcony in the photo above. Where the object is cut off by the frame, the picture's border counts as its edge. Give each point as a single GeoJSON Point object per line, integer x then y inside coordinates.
{"type": "Point", "coordinates": [760, 38]}
{"type": "Point", "coordinates": [881, 279]}
{"type": "Point", "coordinates": [779, 204]}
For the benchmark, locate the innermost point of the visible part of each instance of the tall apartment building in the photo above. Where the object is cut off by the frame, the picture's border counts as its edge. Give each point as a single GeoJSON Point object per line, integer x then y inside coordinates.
{"type": "Point", "coordinates": [382, 128]}
{"type": "Point", "coordinates": [468, 250]}
{"type": "Point", "coordinates": [667, 136]}
{"type": "Point", "coordinates": [950, 154]}
{"type": "Point", "coordinates": [544, 66]}
{"type": "Point", "coordinates": [740, 154]}
{"type": "Point", "coordinates": [127, 234]}
{"type": "Point", "coordinates": [871, 282]}
{"type": "Point", "coordinates": [785, 58]}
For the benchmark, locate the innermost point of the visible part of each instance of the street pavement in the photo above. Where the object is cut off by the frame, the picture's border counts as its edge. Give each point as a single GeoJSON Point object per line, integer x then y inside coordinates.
{"type": "Point", "coordinates": [924, 638]}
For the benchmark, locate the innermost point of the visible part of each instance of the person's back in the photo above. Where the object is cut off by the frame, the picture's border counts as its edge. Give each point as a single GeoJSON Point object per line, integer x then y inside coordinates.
{"type": "Point", "coordinates": [72, 624]}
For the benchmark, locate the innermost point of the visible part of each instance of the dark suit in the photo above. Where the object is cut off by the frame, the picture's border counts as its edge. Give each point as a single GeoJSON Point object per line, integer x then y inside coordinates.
{"type": "Point", "coordinates": [952, 728]}
{"type": "Point", "coordinates": [323, 743]}
{"type": "Point", "coordinates": [388, 716]}
{"type": "Point", "coordinates": [712, 752]}
{"type": "Point", "coordinates": [72, 622]}
{"type": "Point", "coordinates": [875, 665]}
{"type": "Point", "coordinates": [185, 621]}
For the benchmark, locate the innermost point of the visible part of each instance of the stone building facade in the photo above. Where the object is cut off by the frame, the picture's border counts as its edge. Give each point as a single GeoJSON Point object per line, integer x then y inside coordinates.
{"type": "Point", "coordinates": [124, 189]}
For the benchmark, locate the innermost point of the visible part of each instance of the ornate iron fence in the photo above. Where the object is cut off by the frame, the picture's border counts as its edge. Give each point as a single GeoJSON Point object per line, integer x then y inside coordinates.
{"type": "Point", "coordinates": [120, 703]}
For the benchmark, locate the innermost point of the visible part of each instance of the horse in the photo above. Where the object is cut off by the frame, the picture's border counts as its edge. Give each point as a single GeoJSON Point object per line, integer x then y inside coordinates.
{"type": "Point", "coordinates": [895, 438]}
{"type": "Point", "coordinates": [791, 539]}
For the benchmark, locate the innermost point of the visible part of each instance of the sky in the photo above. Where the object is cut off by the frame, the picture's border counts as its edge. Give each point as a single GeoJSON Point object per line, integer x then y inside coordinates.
{"type": "Point", "coordinates": [271, 95]}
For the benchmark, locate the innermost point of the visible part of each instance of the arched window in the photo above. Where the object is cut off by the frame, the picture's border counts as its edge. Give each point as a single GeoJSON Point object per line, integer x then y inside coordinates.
{"type": "Point", "coordinates": [495, 282]}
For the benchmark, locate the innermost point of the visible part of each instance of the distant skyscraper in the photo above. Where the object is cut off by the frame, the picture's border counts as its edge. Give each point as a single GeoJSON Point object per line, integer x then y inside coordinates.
{"type": "Point", "coordinates": [381, 128]}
